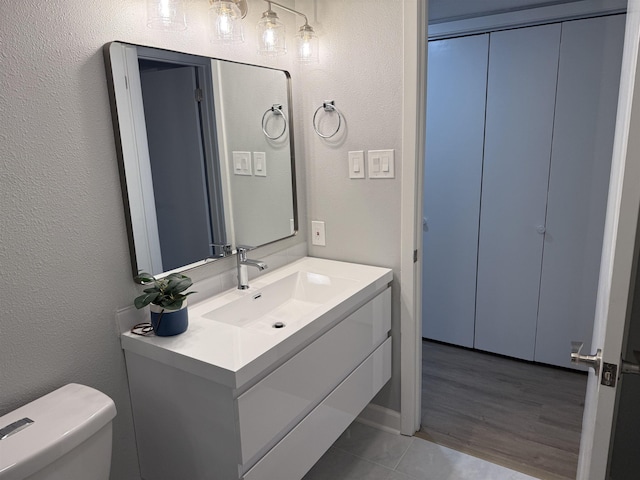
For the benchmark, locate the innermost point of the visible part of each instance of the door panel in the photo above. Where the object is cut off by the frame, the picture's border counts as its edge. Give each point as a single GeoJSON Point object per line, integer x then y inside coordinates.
{"type": "Point", "coordinates": [456, 92]}
{"type": "Point", "coordinates": [619, 255]}
{"type": "Point", "coordinates": [520, 108]}
{"type": "Point", "coordinates": [586, 103]}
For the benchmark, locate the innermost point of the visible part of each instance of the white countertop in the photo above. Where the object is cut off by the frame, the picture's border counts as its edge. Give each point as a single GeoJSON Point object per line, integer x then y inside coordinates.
{"type": "Point", "coordinates": [234, 355]}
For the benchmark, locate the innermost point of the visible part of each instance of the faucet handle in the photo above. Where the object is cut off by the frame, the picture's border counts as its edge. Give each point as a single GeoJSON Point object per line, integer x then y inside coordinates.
{"type": "Point", "coordinates": [244, 248]}
{"type": "Point", "coordinates": [226, 248]}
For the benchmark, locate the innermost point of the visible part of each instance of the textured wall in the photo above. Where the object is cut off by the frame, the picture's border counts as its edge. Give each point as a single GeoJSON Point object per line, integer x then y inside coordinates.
{"type": "Point", "coordinates": [361, 68]}
{"type": "Point", "coordinates": [64, 257]}
{"type": "Point", "coordinates": [63, 247]}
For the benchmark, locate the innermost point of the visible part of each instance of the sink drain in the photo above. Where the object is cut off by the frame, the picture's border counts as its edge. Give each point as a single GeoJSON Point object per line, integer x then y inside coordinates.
{"type": "Point", "coordinates": [278, 325]}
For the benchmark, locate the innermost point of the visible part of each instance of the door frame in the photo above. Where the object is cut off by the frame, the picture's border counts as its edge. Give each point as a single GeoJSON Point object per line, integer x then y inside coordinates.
{"type": "Point", "coordinates": [618, 264]}
{"type": "Point", "coordinates": [413, 140]}
{"type": "Point", "coordinates": [594, 464]}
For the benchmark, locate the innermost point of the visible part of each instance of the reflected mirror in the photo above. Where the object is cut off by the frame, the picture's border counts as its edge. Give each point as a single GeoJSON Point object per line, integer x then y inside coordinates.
{"type": "Point", "coordinates": [205, 148]}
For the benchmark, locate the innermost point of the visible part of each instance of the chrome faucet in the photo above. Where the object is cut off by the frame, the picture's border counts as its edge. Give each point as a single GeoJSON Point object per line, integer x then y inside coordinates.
{"type": "Point", "coordinates": [242, 262]}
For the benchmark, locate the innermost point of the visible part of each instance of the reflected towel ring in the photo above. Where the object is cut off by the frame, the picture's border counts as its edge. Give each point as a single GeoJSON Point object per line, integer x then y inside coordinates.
{"type": "Point", "coordinates": [277, 110]}
{"type": "Point", "coordinates": [328, 106]}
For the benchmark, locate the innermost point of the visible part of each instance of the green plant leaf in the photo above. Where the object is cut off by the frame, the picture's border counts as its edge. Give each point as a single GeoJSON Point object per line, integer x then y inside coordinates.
{"type": "Point", "coordinates": [145, 299]}
{"type": "Point", "coordinates": [165, 292]}
{"type": "Point", "coordinates": [181, 285]}
{"type": "Point", "coordinates": [144, 277]}
{"type": "Point", "coordinates": [176, 304]}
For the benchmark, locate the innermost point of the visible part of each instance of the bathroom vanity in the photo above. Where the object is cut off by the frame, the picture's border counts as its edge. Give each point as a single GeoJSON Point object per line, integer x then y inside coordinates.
{"type": "Point", "coordinates": [265, 379]}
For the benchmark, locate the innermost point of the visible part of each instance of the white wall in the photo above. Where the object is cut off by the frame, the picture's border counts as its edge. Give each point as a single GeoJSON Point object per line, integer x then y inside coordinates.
{"type": "Point", "coordinates": [361, 68]}
{"type": "Point", "coordinates": [64, 256]}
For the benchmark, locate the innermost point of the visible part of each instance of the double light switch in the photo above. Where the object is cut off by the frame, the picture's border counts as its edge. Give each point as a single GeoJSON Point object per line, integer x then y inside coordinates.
{"type": "Point", "coordinates": [242, 164]}
{"type": "Point", "coordinates": [380, 164]}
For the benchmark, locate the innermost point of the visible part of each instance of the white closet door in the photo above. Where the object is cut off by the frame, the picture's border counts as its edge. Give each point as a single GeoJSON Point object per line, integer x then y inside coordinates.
{"type": "Point", "coordinates": [523, 66]}
{"type": "Point", "coordinates": [588, 79]}
{"type": "Point", "coordinates": [456, 92]}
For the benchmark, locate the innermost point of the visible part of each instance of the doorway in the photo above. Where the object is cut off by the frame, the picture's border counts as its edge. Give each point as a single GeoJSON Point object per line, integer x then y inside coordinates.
{"type": "Point", "coordinates": [495, 302]}
{"type": "Point", "coordinates": [178, 106]}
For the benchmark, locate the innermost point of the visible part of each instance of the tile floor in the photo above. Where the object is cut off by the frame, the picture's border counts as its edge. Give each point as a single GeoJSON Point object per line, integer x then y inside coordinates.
{"type": "Point", "coordinates": [363, 452]}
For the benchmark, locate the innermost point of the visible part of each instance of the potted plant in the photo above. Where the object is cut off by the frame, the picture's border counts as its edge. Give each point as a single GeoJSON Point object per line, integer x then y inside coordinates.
{"type": "Point", "coordinates": [168, 302]}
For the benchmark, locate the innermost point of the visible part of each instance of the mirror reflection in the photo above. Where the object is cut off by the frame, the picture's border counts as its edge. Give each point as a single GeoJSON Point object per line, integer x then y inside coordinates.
{"type": "Point", "coordinates": [206, 157]}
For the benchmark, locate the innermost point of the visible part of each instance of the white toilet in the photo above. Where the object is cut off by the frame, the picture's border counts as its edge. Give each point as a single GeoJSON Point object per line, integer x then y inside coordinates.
{"type": "Point", "coordinates": [65, 435]}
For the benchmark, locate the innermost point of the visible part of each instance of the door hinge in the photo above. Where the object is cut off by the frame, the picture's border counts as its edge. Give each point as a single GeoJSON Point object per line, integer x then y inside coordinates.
{"type": "Point", "coordinates": [199, 95]}
{"type": "Point", "coordinates": [415, 256]}
{"type": "Point", "coordinates": [609, 374]}
{"type": "Point", "coordinates": [126, 82]}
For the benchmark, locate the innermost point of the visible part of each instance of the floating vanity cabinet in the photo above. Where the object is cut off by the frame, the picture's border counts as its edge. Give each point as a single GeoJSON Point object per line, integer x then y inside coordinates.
{"type": "Point", "coordinates": [452, 178]}
{"type": "Point", "coordinates": [276, 414]}
{"type": "Point", "coordinates": [551, 101]}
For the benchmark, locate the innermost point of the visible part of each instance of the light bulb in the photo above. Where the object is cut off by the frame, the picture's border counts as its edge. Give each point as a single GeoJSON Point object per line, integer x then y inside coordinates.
{"type": "Point", "coordinates": [271, 35]}
{"type": "Point", "coordinates": [166, 14]}
{"type": "Point", "coordinates": [226, 25]}
{"type": "Point", "coordinates": [307, 42]}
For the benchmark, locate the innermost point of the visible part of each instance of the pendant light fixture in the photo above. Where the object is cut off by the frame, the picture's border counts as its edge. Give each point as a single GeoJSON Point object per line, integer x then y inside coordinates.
{"type": "Point", "coordinates": [166, 14]}
{"type": "Point", "coordinates": [225, 19]}
{"type": "Point", "coordinates": [271, 36]}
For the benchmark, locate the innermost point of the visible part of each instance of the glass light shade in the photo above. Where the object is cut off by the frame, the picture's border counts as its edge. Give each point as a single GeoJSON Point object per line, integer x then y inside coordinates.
{"type": "Point", "coordinates": [225, 22]}
{"type": "Point", "coordinates": [271, 35]}
{"type": "Point", "coordinates": [166, 14]}
{"type": "Point", "coordinates": [307, 45]}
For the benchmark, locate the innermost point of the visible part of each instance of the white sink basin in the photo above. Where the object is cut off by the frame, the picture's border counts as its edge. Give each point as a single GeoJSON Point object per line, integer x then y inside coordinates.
{"type": "Point", "coordinates": [231, 339]}
{"type": "Point", "coordinates": [282, 303]}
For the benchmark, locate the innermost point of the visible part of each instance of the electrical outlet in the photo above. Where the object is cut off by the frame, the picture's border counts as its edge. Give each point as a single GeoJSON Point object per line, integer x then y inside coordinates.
{"type": "Point", "coordinates": [317, 234]}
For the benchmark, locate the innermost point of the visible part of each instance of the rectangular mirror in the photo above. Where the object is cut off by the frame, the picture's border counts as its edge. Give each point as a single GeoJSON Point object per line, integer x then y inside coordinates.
{"type": "Point", "coordinates": [205, 148]}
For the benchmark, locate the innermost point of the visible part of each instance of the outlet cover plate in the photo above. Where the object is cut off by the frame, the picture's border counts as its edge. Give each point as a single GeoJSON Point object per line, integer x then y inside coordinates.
{"type": "Point", "coordinates": [318, 234]}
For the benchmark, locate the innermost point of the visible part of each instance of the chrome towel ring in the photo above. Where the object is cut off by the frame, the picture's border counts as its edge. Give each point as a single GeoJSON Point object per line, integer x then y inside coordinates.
{"type": "Point", "coordinates": [277, 110]}
{"type": "Point", "coordinates": [328, 106]}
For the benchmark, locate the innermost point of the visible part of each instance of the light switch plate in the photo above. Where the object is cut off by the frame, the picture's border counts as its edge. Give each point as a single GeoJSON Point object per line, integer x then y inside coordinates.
{"type": "Point", "coordinates": [259, 164]}
{"type": "Point", "coordinates": [381, 164]}
{"type": "Point", "coordinates": [356, 164]}
{"type": "Point", "coordinates": [317, 234]}
{"type": "Point", "coordinates": [242, 163]}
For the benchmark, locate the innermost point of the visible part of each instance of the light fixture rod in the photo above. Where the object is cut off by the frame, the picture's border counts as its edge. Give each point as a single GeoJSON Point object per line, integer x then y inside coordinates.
{"type": "Point", "coordinates": [290, 10]}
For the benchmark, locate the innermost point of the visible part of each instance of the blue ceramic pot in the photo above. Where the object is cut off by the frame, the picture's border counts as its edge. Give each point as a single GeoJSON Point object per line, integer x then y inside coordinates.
{"type": "Point", "coordinates": [166, 323]}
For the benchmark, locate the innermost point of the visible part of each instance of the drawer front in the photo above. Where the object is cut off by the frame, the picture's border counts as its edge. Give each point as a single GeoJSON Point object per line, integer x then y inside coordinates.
{"type": "Point", "coordinates": [268, 410]}
{"type": "Point", "coordinates": [296, 453]}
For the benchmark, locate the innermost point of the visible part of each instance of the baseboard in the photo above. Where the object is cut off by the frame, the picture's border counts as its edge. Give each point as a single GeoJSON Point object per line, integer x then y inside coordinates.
{"type": "Point", "coordinates": [381, 418]}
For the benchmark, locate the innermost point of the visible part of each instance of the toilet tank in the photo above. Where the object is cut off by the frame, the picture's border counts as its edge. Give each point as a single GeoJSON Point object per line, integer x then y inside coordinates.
{"type": "Point", "coordinates": [65, 435]}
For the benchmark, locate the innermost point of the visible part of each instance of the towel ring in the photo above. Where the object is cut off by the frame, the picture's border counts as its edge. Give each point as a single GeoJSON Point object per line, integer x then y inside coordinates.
{"type": "Point", "coordinates": [328, 106]}
{"type": "Point", "coordinates": [277, 110]}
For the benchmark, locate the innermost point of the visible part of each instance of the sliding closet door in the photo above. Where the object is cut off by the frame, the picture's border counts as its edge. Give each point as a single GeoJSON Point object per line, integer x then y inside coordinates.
{"type": "Point", "coordinates": [588, 79]}
{"type": "Point", "coordinates": [456, 92]}
{"type": "Point", "coordinates": [521, 91]}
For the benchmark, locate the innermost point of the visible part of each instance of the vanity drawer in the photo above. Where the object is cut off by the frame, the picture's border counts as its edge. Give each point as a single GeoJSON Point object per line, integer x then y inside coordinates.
{"type": "Point", "coordinates": [297, 452]}
{"type": "Point", "coordinates": [272, 407]}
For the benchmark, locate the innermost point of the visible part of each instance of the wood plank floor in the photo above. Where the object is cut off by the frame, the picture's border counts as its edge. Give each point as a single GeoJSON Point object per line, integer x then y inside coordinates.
{"type": "Point", "coordinates": [524, 416]}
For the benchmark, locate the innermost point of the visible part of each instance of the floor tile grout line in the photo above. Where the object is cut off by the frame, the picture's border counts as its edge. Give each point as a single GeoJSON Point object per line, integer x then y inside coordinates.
{"type": "Point", "coordinates": [413, 439]}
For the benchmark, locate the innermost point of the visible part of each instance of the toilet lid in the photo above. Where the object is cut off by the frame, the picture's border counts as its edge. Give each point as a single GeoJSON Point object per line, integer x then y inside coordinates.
{"type": "Point", "coordinates": [57, 423]}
